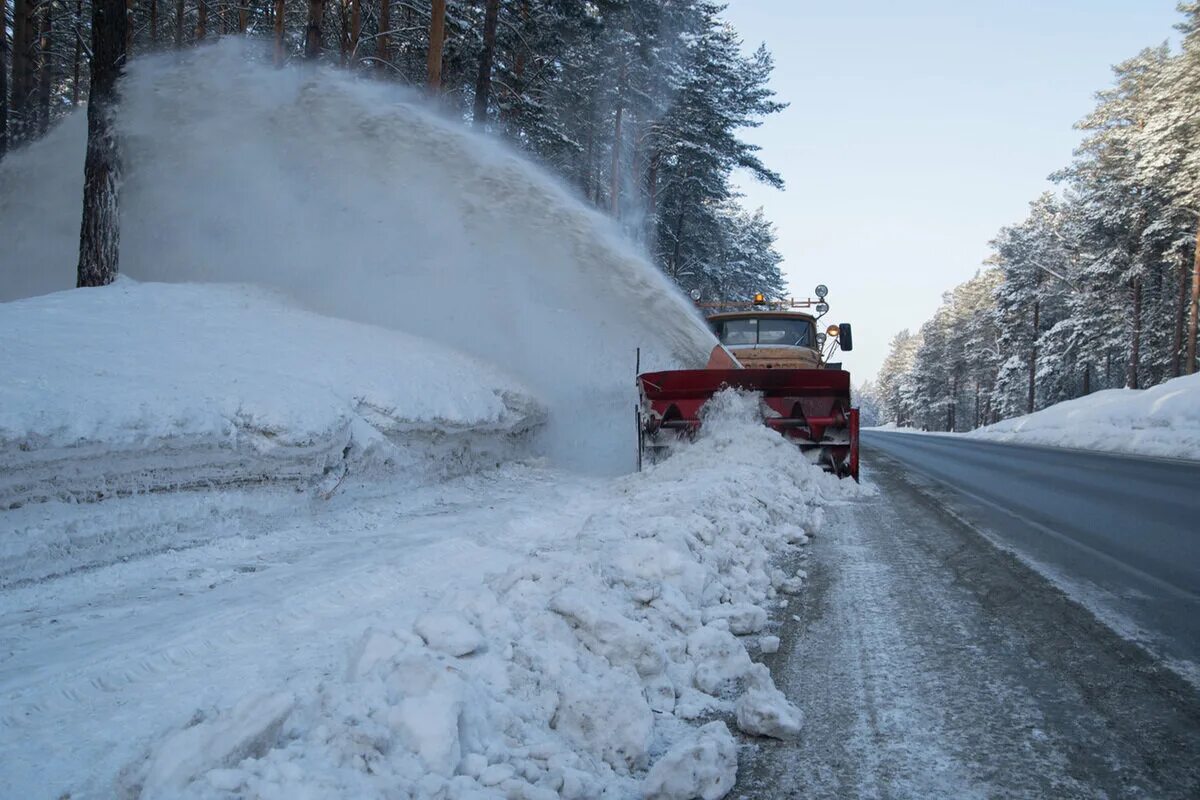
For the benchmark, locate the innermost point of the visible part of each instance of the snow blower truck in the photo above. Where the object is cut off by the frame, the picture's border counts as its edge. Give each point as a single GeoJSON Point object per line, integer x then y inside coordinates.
{"type": "Point", "coordinates": [771, 347]}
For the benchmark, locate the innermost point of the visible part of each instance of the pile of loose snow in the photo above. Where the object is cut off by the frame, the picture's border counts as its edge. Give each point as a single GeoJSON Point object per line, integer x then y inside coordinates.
{"type": "Point", "coordinates": [1160, 421]}
{"type": "Point", "coordinates": [576, 672]}
{"type": "Point", "coordinates": [145, 387]}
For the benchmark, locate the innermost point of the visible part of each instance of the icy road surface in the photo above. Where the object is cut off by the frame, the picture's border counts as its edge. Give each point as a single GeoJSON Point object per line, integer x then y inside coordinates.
{"type": "Point", "coordinates": [1119, 533]}
{"type": "Point", "coordinates": [929, 663]}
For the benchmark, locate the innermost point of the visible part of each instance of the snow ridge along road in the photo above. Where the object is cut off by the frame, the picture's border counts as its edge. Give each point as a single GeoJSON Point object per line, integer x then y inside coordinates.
{"type": "Point", "coordinates": [1119, 533]}
{"type": "Point", "coordinates": [520, 632]}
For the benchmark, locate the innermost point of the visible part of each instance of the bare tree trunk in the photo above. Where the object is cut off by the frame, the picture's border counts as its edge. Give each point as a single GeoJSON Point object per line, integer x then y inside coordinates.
{"type": "Point", "coordinates": [3, 79]}
{"type": "Point", "coordinates": [343, 36]}
{"type": "Point", "coordinates": [45, 68]}
{"type": "Point", "coordinates": [437, 40]}
{"type": "Point", "coordinates": [614, 190]}
{"type": "Point", "coordinates": [1037, 313]}
{"type": "Point", "coordinates": [201, 19]}
{"type": "Point", "coordinates": [279, 18]}
{"type": "Point", "coordinates": [154, 24]}
{"type": "Point", "coordinates": [1180, 323]}
{"type": "Point", "coordinates": [1135, 340]}
{"type": "Point", "coordinates": [99, 233]}
{"type": "Point", "coordinates": [312, 29]}
{"type": "Point", "coordinates": [1190, 366]}
{"type": "Point", "coordinates": [589, 167]}
{"type": "Point", "coordinates": [179, 15]}
{"type": "Point", "coordinates": [483, 82]}
{"type": "Point", "coordinates": [383, 55]}
{"type": "Point", "coordinates": [24, 31]}
{"type": "Point", "coordinates": [77, 58]}
{"type": "Point", "coordinates": [652, 202]}
{"type": "Point", "coordinates": [243, 15]}
{"type": "Point", "coordinates": [614, 187]}
{"type": "Point", "coordinates": [355, 28]}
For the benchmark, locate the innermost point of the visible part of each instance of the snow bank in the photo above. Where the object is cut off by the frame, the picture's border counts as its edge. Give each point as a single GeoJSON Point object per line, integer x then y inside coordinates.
{"type": "Point", "coordinates": [145, 387]}
{"type": "Point", "coordinates": [1161, 421]}
{"type": "Point", "coordinates": [359, 200]}
{"type": "Point", "coordinates": [575, 672]}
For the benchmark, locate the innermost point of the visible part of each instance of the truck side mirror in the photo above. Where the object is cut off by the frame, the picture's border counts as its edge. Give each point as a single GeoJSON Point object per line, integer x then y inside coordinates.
{"type": "Point", "coordinates": [845, 337]}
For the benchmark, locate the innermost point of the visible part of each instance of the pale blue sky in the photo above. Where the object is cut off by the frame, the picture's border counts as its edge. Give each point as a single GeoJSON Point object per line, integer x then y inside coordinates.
{"type": "Point", "coordinates": [918, 128]}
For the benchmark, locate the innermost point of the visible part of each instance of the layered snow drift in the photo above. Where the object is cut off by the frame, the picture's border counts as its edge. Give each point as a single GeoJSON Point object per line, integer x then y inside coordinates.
{"type": "Point", "coordinates": [144, 387]}
{"type": "Point", "coordinates": [1161, 421]}
{"type": "Point", "coordinates": [571, 672]}
{"type": "Point", "coordinates": [357, 199]}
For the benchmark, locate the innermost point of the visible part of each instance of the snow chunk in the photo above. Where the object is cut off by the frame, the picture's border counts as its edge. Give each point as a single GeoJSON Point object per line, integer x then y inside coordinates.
{"type": "Point", "coordinates": [437, 715]}
{"type": "Point", "coordinates": [449, 633]}
{"type": "Point", "coordinates": [743, 618]}
{"type": "Point", "coordinates": [763, 710]}
{"type": "Point", "coordinates": [249, 729]}
{"type": "Point", "coordinates": [719, 657]}
{"type": "Point", "coordinates": [609, 634]}
{"type": "Point", "coordinates": [768, 644]}
{"type": "Point", "coordinates": [608, 717]}
{"type": "Point", "coordinates": [702, 766]}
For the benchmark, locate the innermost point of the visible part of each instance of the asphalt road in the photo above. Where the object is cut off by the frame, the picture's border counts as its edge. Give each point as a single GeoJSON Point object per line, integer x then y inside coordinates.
{"type": "Point", "coordinates": [1119, 533]}
{"type": "Point", "coordinates": [929, 662]}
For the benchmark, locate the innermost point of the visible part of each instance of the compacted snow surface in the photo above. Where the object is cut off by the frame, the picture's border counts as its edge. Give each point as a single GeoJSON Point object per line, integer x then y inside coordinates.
{"type": "Point", "coordinates": [263, 553]}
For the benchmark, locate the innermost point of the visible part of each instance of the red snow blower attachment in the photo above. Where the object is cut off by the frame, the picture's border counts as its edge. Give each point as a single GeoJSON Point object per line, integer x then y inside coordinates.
{"type": "Point", "coordinates": [770, 348]}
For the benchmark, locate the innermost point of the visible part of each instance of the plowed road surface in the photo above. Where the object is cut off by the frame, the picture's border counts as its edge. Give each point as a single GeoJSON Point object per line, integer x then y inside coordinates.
{"type": "Point", "coordinates": [999, 621]}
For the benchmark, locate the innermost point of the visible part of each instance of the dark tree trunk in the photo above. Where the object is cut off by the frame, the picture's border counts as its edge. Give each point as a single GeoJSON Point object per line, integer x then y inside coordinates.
{"type": "Point", "coordinates": [154, 23]}
{"type": "Point", "coordinates": [437, 40]}
{"type": "Point", "coordinates": [243, 15]}
{"type": "Point", "coordinates": [1177, 357]}
{"type": "Point", "coordinates": [99, 235]}
{"type": "Point", "coordinates": [614, 185]}
{"type": "Point", "coordinates": [383, 56]}
{"type": "Point", "coordinates": [179, 15]}
{"type": "Point", "coordinates": [1037, 309]}
{"type": "Point", "coordinates": [1135, 339]}
{"type": "Point", "coordinates": [279, 17]}
{"type": "Point", "coordinates": [312, 30]}
{"type": "Point", "coordinates": [3, 79]}
{"type": "Point", "coordinates": [77, 58]}
{"type": "Point", "coordinates": [24, 32]}
{"type": "Point", "coordinates": [344, 33]}
{"type": "Point", "coordinates": [652, 202]}
{"type": "Point", "coordinates": [1194, 323]}
{"type": "Point", "coordinates": [45, 68]}
{"type": "Point", "coordinates": [483, 82]}
{"type": "Point", "coordinates": [201, 19]}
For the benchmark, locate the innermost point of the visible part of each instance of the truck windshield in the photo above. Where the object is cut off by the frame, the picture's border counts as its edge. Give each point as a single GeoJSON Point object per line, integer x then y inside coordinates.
{"type": "Point", "coordinates": [766, 331]}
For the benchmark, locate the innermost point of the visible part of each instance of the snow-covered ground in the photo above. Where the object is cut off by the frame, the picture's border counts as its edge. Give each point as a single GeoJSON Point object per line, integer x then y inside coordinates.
{"type": "Point", "coordinates": [1162, 421]}
{"type": "Point", "coordinates": [249, 551]}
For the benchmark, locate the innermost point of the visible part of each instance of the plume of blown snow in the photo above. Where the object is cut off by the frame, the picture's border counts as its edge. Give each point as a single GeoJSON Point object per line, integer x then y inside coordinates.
{"type": "Point", "coordinates": [363, 203]}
